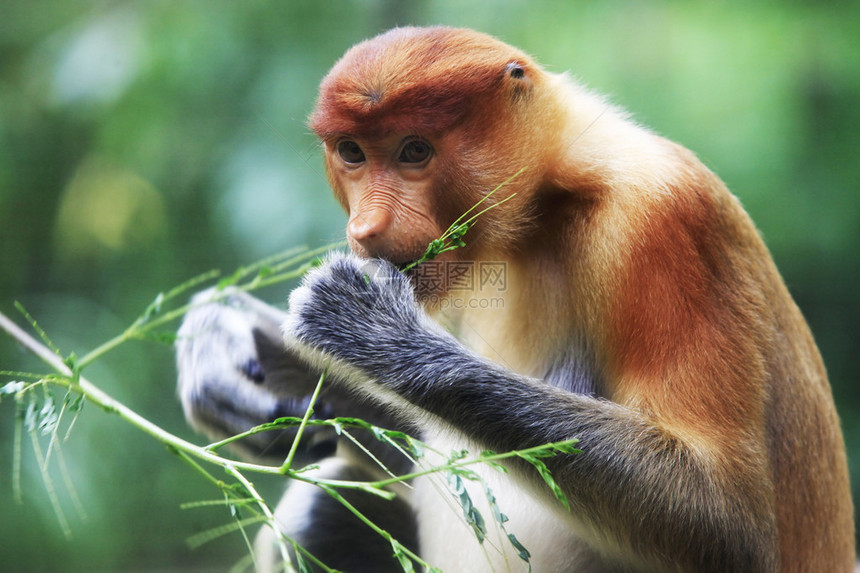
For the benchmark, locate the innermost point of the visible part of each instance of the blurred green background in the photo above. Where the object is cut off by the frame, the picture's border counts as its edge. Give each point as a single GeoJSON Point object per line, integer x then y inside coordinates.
{"type": "Point", "coordinates": [142, 143]}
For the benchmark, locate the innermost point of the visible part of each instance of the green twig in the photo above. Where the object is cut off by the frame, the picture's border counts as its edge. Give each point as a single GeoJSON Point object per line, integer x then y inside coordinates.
{"type": "Point", "coordinates": [268, 274]}
{"type": "Point", "coordinates": [565, 446]}
{"type": "Point", "coordinates": [452, 238]}
{"type": "Point", "coordinates": [385, 535]}
{"type": "Point", "coordinates": [242, 494]}
{"type": "Point", "coordinates": [17, 491]}
{"type": "Point", "coordinates": [49, 484]}
{"type": "Point", "coordinates": [308, 412]}
{"type": "Point", "coordinates": [267, 513]}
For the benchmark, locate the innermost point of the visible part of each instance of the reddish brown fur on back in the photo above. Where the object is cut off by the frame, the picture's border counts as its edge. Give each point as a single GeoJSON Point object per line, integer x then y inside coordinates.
{"type": "Point", "coordinates": [686, 314]}
{"type": "Point", "coordinates": [409, 79]}
{"type": "Point", "coordinates": [706, 338]}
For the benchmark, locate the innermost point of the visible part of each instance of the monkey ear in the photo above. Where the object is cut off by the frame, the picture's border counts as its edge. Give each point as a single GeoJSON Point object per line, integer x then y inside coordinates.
{"type": "Point", "coordinates": [520, 79]}
{"type": "Point", "coordinates": [515, 70]}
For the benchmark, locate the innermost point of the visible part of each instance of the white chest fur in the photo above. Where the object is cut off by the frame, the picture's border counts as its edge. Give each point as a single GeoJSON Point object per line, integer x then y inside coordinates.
{"type": "Point", "coordinates": [448, 541]}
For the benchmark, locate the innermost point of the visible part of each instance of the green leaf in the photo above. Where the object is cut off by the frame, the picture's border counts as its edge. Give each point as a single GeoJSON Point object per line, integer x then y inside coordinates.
{"type": "Point", "coordinates": [306, 468]}
{"type": "Point", "coordinates": [497, 466]}
{"type": "Point", "coordinates": [501, 518]}
{"type": "Point", "coordinates": [232, 279]}
{"type": "Point", "coordinates": [470, 512]}
{"type": "Point", "coordinates": [353, 422]}
{"type": "Point", "coordinates": [154, 307]}
{"type": "Point", "coordinates": [214, 533]}
{"type": "Point", "coordinates": [568, 447]}
{"type": "Point", "coordinates": [72, 362]}
{"type": "Point", "coordinates": [491, 463]}
{"type": "Point", "coordinates": [279, 423]}
{"type": "Point", "coordinates": [304, 566]}
{"type": "Point", "coordinates": [401, 556]}
{"type": "Point", "coordinates": [547, 477]}
{"type": "Point", "coordinates": [74, 402]}
{"type": "Point", "coordinates": [416, 446]}
{"type": "Point", "coordinates": [521, 551]}
{"type": "Point", "coordinates": [396, 435]}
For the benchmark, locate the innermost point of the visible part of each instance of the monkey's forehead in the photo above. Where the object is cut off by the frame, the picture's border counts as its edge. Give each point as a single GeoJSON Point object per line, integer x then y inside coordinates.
{"type": "Point", "coordinates": [413, 79]}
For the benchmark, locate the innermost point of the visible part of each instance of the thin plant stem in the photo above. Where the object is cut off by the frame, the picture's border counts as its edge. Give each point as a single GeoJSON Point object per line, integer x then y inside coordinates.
{"type": "Point", "coordinates": [146, 323]}
{"type": "Point", "coordinates": [308, 412]}
{"type": "Point", "coordinates": [49, 485]}
{"type": "Point", "coordinates": [457, 223]}
{"type": "Point", "coordinates": [369, 454]}
{"type": "Point", "coordinates": [558, 446]}
{"type": "Point", "coordinates": [459, 227]}
{"type": "Point", "coordinates": [270, 517]}
{"type": "Point", "coordinates": [17, 491]}
{"type": "Point", "coordinates": [100, 398]}
{"type": "Point", "coordinates": [385, 535]}
{"type": "Point", "coordinates": [70, 485]}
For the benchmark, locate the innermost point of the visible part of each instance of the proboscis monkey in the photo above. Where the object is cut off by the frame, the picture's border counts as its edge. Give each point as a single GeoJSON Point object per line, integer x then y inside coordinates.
{"type": "Point", "coordinates": [641, 314]}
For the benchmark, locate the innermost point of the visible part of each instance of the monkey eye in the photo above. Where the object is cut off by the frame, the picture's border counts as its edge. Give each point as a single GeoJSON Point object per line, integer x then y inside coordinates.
{"type": "Point", "coordinates": [415, 151]}
{"type": "Point", "coordinates": [349, 151]}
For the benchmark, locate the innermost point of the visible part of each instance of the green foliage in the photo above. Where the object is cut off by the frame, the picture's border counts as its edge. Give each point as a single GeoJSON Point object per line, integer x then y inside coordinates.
{"type": "Point", "coordinates": [534, 458]}
{"type": "Point", "coordinates": [39, 415]}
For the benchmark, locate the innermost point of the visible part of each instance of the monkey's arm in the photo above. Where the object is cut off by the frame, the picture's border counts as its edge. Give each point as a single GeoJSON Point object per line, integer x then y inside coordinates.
{"type": "Point", "coordinates": [637, 482]}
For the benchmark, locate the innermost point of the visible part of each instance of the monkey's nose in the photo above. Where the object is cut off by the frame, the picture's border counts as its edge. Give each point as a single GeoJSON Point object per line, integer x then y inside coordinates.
{"type": "Point", "coordinates": [369, 226]}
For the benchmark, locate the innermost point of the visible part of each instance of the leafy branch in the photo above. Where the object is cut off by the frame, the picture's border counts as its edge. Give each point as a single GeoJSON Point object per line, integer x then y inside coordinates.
{"type": "Point", "coordinates": [37, 413]}
{"type": "Point", "coordinates": [241, 495]}
{"type": "Point", "coordinates": [278, 268]}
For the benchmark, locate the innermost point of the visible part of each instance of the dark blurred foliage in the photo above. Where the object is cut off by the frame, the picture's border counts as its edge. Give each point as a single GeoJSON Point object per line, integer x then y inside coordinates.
{"type": "Point", "coordinates": [142, 143]}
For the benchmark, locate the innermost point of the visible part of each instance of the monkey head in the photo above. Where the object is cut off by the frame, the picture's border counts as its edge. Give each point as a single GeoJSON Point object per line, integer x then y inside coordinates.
{"type": "Point", "coordinates": [419, 124]}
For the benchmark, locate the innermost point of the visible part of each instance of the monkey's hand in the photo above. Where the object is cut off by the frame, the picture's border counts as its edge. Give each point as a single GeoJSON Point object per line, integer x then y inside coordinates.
{"type": "Point", "coordinates": [234, 373]}
{"type": "Point", "coordinates": [359, 319]}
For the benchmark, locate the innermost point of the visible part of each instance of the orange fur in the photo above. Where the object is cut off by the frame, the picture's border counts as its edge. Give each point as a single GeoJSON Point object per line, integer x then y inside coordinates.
{"type": "Point", "coordinates": [397, 85]}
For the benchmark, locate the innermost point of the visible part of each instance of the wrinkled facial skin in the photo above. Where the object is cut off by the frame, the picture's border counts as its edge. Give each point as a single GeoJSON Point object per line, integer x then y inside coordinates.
{"type": "Point", "coordinates": [386, 186]}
